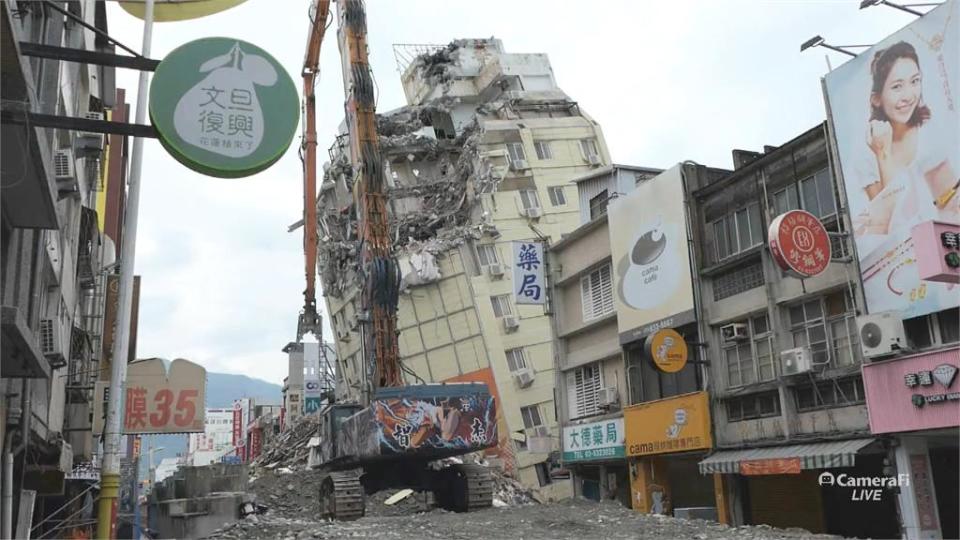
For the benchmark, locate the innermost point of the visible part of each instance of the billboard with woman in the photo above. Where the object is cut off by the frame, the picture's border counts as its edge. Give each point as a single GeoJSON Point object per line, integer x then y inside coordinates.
{"type": "Point", "coordinates": [894, 111]}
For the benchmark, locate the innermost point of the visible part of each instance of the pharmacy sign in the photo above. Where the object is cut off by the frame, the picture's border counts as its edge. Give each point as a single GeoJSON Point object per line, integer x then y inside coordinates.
{"type": "Point", "coordinates": [593, 441]}
{"type": "Point", "coordinates": [223, 107]}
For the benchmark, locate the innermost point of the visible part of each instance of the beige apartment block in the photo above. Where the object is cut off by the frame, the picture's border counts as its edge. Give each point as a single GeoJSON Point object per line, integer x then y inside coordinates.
{"type": "Point", "coordinates": [483, 155]}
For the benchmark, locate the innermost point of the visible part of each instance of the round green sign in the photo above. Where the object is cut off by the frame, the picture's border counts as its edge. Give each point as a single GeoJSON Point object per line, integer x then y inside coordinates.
{"type": "Point", "coordinates": [223, 107]}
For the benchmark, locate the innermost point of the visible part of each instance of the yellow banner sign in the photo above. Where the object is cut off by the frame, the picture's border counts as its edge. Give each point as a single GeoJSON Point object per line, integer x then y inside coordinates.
{"type": "Point", "coordinates": [676, 424]}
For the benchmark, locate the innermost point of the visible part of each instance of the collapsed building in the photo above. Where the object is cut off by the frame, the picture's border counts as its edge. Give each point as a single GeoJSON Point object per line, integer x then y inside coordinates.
{"type": "Point", "coordinates": [482, 155]}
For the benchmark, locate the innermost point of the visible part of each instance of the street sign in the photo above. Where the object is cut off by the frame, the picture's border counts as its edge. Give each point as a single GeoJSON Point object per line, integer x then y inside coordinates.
{"type": "Point", "coordinates": [223, 107]}
{"type": "Point", "coordinates": [161, 401]}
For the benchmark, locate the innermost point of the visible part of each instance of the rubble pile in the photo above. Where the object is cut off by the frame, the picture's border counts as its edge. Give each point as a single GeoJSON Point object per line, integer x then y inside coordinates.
{"type": "Point", "coordinates": [569, 520]}
{"type": "Point", "coordinates": [289, 449]}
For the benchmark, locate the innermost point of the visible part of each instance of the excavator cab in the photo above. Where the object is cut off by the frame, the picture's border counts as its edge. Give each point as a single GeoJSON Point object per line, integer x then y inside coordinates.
{"type": "Point", "coordinates": [324, 450]}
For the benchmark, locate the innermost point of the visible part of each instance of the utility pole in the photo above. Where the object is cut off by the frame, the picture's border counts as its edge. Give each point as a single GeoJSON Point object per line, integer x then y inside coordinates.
{"type": "Point", "coordinates": [110, 469]}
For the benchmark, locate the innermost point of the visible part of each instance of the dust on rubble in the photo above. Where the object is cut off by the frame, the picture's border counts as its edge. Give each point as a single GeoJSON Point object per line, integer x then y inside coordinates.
{"type": "Point", "coordinates": [575, 519]}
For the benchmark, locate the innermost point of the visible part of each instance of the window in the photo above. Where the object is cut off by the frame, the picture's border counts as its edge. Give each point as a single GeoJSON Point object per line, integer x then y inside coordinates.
{"type": "Point", "coordinates": [501, 305]}
{"type": "Point", "coordinates": [933, 330]}
{"type": "Point", "coordinates": [516, 359]}
{"type": "Point", "coordinates": [531, 416]}
{"type": "Point", "coordinates": [832, 393]}
{"type": "Point", "coordinates": [813, 194]}
{"type": "Point", "coordinates": [598, 205]}
{"type": "Point", "coordinates": [543, 149]}
{"type": "Point", "coordinates": [738, 231]}
{"type": "Point", "coordinates": [529, 199]}
{"type": "Point", "coordinates": [828, 326]}
{"type": "Point", "coordinates": [752, 361]}
{"type": "Point", "coordinates": [583, 389]}
{"type": "Point", "coordinates": [737, 281]}
{"type": "Point", "coordinates": [515, 150]}
{"type": "Point", "coordinates": [755, 406]}
{"type": "Point", "coordinates": [543, 474]}
{"type": "Point", "coordinates": [487, 254]}
{"type": "Point", "coordinates": [596, 293]}
{"type": "Point", "coordinates": [786, 199]}
{"type": "Point", "coordinates": [589, 147]}
{"type": "Point", "coordinates": [557, 196]}
{"type": "Point", "coordinates": [816, 194]}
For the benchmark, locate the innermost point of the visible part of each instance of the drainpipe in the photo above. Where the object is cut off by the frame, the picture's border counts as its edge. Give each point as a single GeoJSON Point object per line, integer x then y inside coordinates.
{"type": "Point", "coordinates": [8, 486]}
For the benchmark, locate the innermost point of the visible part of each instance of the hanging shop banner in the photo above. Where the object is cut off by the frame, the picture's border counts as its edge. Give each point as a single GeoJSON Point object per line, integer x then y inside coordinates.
{"type": "Point", "coordinates": [668, 350]}
{"type": "Point", "coordinates": [101, 395]}
{"type": "Point", "coordinates": [223, 107]}
{"type": "Point", "coordinates": [648, 239]}
{"type": "Point", "coordinates": [894, 113]}
{"type": "Point", "coordinates": [799, 244]}
{"type": "Point", "coordinates": [676, 424]}
{"type": "Point", "coordinates": [593, 441]}
{"type": "Point", "coordinates": [161, 401]}
{"type": "Point", "coordinates": [528, 281]}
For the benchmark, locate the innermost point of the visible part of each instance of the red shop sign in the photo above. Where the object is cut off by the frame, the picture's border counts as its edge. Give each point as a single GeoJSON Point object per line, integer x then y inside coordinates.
{"type": "Point", "coordinates": [799, 243]}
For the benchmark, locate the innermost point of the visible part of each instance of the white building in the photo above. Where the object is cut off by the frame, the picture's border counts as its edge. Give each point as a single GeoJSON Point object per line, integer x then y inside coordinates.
{"type": "Point", "coordinates": [215, 441]}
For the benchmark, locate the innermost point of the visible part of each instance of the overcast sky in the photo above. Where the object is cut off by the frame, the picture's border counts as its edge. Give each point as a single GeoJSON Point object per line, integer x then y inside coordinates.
{"type": "Point", "coordinates": [668, 81]}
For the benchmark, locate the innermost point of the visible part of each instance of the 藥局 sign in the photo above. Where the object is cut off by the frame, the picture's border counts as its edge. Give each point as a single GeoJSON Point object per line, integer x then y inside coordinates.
{"type": "Point", "coordinates": [528, 282]}
{"type": "Point", "coordinates": [895, 115]}
{"type": "Point", "coordinates": [648, 240]}
{"type": "Point", "coordinates": [223, 107]}
{"type": "Point", "coordinates": [596, 440]}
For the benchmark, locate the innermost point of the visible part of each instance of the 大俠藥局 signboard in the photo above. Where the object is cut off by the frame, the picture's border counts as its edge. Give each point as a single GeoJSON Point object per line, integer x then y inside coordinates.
{"type": "Point", "coordinates": [593, 441]}
{"type": "Point", "coordinates": [897, 128]}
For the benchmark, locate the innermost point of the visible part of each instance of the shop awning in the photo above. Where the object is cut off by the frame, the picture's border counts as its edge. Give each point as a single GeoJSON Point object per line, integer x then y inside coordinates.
{"type": "Point", "coordinates": [811, 456]}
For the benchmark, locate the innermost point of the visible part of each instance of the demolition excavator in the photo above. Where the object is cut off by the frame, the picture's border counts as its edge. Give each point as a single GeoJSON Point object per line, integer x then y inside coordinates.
{"type": "Point", "coordinates": [398, 435]}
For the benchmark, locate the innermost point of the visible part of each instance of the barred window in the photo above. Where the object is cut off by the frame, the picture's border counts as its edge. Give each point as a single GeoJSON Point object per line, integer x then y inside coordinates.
{"type": "Point", "coordinates": [755, 406]}
{"type": "Point", "coordinates": [832, 393]}
{"type": "Point", "coordinates": [737, 281]}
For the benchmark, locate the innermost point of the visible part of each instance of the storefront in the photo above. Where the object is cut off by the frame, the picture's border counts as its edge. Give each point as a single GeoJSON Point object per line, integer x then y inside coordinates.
{"type": "Point", "coordinates": [837, 487]}
{"type": "Point", "coordinates": [594, 454]}
{"type": "Point", "coordinates": [665, 439]}
{"type": "Point", "coordinates": [916, 399]}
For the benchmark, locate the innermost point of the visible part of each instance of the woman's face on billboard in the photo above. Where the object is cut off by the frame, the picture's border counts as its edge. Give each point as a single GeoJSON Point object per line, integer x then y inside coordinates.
{"type": "Point", "coordinates": [901, 91]}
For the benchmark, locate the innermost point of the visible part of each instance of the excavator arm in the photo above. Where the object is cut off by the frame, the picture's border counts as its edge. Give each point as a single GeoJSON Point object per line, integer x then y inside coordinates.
{"type": "Point", "coordinates": [310, 319]}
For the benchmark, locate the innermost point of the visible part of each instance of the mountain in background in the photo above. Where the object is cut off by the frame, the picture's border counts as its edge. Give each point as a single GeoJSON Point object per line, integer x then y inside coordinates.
{"type": "Point", "coordinates": [222, 389]}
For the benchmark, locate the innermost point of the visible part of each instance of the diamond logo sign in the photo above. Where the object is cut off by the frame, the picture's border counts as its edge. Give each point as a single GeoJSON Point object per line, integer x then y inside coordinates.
{"type": "Point", "coordinates": [223, 107]}
{"type": "Point", "coordinates": [944, 374]}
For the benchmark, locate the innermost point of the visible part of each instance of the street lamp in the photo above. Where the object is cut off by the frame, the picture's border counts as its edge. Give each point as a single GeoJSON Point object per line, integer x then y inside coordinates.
{"type": "Point", "coordinates": [818, 41]}
{"type": "Point", "coordinates": [869, 3]}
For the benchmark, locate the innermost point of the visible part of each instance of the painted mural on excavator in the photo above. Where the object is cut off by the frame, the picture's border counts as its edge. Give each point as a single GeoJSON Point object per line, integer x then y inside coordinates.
{"type": "Point", "coordinates": [460, 422]}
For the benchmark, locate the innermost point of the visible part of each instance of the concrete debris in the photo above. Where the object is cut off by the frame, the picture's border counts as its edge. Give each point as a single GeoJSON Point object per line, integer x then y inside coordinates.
{"type": "Point", "coordinates": [289, 450]}
{"type": "Point", "coordinates": [398, 496]}
{"type": "Point", "coordinates": [571, 520]}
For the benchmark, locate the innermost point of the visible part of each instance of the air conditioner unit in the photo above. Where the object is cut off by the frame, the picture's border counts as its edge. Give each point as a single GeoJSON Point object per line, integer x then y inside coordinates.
{"type": "Point", "coordinates": [510, 323]}
{"type": "Point", "coordinates": [593, 159]}
{"type": "Point", "coordinates": [795, 361]}
{"type": "Point", "coordinates": [881, 334]}
{"type": "Point", "coordinates": [50, 344]}
{"type": "Point", "coordinates": [495, 269]}
{"type": "Point", "coordinates": [63, 165]}
{"type": "Point", "coordinates": [534, 212]}
{"type": "Point", "coordinates": [609, 396]}
{"type": "Point", "coordinates": [519, 165]}
{"type": "Point", "coordinates": [524, 377]}
{"type": "Point", "coordinates": [734, 332]}
{"type": "Point", "coordinates": [344, 336]}
{"type": "Point", "coordinates": [97, 138]}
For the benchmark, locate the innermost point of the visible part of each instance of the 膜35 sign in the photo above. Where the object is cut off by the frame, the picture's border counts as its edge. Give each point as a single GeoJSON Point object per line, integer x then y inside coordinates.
{"type": "Point", "coordinates": [223, 107]}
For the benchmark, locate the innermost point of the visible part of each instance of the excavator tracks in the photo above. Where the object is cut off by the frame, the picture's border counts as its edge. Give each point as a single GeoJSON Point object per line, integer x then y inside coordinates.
{"type": "Point", "coordinates": [341, 496]}
{"type": "Point", "coordinates": [469, 488]}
